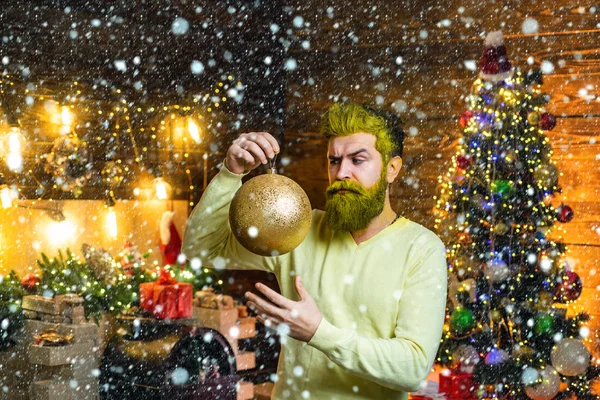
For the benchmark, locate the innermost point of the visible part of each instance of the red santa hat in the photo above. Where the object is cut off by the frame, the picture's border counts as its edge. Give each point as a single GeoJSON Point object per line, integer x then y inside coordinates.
{"type": "Point", "coordinates": [494, 63]}
{"type": "Point", "coordinates": [170, 241]}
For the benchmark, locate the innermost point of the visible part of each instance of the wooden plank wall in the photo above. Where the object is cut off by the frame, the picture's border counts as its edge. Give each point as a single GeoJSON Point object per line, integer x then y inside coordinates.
{"type": "Point", "coordinates": [428, 85]}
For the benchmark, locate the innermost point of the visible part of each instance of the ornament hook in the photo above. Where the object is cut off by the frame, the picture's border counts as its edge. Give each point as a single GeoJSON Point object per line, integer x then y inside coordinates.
{"type": "Point", "coordinates": [272, 165]}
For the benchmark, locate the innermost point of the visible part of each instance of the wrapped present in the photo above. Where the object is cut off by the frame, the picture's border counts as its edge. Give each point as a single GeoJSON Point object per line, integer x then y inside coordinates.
{"type": "Point", "coordinates": [457, 385]}
{"type": "Point", "coordinates": [428, 391]}
{"type": "Point", "coordinates": [166, 298]}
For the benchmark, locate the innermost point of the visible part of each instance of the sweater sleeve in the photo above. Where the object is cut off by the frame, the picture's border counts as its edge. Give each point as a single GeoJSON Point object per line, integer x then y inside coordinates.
{"type": "Point", "coordinates": [208, 235]}
{"type": "Point", "coordinates": [402, 362]}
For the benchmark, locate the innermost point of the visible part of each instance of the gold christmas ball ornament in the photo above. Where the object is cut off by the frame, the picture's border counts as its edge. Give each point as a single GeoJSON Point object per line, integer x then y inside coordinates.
{"type": "Point", "coordinates": [547, 175]}
{"type": "Point", "coordinates": [533, 118]}
{"type": "Point", "coordinates": [270, 214]}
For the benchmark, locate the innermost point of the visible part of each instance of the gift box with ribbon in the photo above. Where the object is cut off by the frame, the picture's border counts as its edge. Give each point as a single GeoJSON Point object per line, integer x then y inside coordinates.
{"type": "Point", "coordinates": [457, 385]}
{"type": "Point", "coordinates": [167, 298]}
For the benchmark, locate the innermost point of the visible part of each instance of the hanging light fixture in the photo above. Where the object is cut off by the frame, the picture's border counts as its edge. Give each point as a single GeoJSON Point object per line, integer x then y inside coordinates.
{"type": "Point", "coordinates": [111, 217]}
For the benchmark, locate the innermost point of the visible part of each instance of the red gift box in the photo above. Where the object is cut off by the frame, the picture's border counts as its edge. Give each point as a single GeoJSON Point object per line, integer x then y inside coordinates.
{"type": "Point", "coordinates": [166, 298]}
{"type": "Point", "coordinates": [458, 385]}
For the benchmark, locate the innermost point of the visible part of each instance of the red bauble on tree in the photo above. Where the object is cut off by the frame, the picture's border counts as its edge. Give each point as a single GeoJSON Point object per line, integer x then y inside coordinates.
{"type": "Point", "coordinates": [565, 213]}
{"type": "Point", "coordinates": [29, 282]}
{"type": "Point", "coordinates": [568, 287]}
{"type": "Point", "coordinates": [547, 121]}
{"type": "Point", "coordinates": [465, 118]}
{"type": "Point", "coordinates": [463, 161]}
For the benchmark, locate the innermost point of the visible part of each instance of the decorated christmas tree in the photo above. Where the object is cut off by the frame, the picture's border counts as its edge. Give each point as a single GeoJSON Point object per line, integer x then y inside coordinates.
{"type": "Point", "coordinates": [507, 332]}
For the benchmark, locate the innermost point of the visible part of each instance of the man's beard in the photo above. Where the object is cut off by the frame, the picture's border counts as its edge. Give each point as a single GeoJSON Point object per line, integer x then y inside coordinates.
{"type": "Point", "coordinates": [353, 210]}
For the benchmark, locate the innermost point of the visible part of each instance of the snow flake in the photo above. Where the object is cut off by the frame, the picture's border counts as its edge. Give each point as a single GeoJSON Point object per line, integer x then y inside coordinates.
{"type": "Point", "coordinates": [298, 371]}
{"type": "Point", "coordinates": [547, 67]}
{"type": "Point", "coordinates": [298, 21]}
{"type": "Point", "coordinates": [290, 64]}
{"type": "Point", "coordinates": [530, 26]}
{"type": "Point", "coordinates": [471, 65]}
{"type": "Point", "coordinates": [180, 26]}
{"type": "Point", "coordinates": [120, 65]}
{"type": "Point", "coordinates": [197, 67]}
{"type": "Point", "coordinates": [180, 376]}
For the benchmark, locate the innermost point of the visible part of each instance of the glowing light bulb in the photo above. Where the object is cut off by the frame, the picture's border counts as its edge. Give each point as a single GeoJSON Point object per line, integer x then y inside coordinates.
{"type": "Point", "coordinates": [194, 130]}
{"type": "Point", "coordinates": [162, 189]}
{"type": "Point", "coordinates": [61, 232]}
{"type": "Point", "coordinates": [14, 161]}
{"type": "Point", "coordinates": [13, 144]}
{"type": "Point", "coordinates": [66, 117]}
{"type": "Point", "coordinates": [111, 222]}
{"type": "Point", "coordinates": [14, 141]}
{"type": "Point", "coordinates": [5, 196]}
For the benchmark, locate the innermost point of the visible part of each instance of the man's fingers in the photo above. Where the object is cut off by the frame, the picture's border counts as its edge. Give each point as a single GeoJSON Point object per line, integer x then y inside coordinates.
{"type": "Point", "coordinates": [254, 149]}
{"type": "Point", "coordinates": [265, 145]}
{"type": "Point", "coordinates": [275, 297]}
{"type": "Point", "coordinates": [247, 157]}
{"type": "Point", "coordinates": [268, 322]}
{"type": "Point", "coordinates": [300, 287]}
{"type": "Point", "coordinates": [265, 306]}
{"type": "Point", "coordinates": [266, 135]}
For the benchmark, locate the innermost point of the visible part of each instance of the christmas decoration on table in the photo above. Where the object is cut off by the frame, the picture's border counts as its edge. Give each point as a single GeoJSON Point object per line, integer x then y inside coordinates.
{"type": "Point", "coordinates": [167, 298]}
{"type": "Point", "coordinates": [69, 164]}
{"type": "Point", "coordinates": [11, 313]}
{"type": "Point", "coordinates": [242, 309]}
{"type": "Point", "coordinates": [81, 279]}
{"type": "Point", "coordinates": [66, 309]}
{"type": "Point", "coordinates": [30, 281]}
{"type": "Point", "coordinates": [207, 298]}
{"type": "Point", "coordinates": [51, 337]}
{"type": "Point", "coordinates": [270, 214]}
{"type": "Point", "coordinates": [170, 241]}
{"type": "Point", "coordinates": [506, 275]}
{"type": "Point", "coordinates": [130, 259]}
{"type": "Point", "coordinates": [101, 262]}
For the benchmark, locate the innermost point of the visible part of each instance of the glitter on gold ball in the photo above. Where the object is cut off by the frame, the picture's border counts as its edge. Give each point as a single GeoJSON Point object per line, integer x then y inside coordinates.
{"type": "Point", "coordinates": [270, 215]}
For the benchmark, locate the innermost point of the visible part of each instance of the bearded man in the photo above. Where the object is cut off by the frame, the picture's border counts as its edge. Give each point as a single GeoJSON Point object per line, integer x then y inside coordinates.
{"type": "Point", "coordinates": [363, 297]}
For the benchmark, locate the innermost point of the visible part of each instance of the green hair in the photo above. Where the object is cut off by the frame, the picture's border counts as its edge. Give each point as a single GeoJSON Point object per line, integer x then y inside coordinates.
{"type": "Point", "coordinates": [349, 118]}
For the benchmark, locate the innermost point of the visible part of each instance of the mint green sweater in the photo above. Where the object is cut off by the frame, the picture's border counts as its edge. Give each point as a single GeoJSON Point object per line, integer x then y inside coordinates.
{"type": "Point", "coordinates": [382, 301]}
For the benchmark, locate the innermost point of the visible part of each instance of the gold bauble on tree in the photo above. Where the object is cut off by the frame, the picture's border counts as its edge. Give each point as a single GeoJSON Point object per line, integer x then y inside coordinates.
{"type": "Point", "coordinates": [270, 214]}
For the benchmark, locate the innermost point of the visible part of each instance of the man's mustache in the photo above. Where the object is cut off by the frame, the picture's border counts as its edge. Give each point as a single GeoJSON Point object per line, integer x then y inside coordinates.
{"type": "Point", "coordinates": [339, 186]}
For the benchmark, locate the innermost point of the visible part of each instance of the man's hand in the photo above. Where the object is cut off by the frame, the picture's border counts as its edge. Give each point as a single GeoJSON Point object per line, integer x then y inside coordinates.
{"type": "Point", "coordinates": [301, 317]}
{"type": "Point", "coordinates": [250, 150]}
